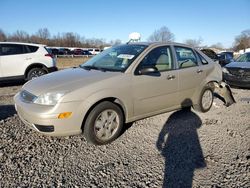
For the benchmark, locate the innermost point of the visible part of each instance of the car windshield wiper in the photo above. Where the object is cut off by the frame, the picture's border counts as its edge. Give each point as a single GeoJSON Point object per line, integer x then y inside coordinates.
{"type": "Point", "coordinates": [89, 67]}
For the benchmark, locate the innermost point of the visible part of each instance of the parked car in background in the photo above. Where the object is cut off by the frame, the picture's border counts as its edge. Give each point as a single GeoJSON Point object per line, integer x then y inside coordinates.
{"type": "Point", "coordinates": [77, 51]}
{"type": "Point", "coordinates": [24, 61]}
{"type": "Point", "coordinates": [225, 58]}
{"type": "Point", "coordinates": [81, 52]}
{"type": "Point", "coordinates": [237, 73]}
{"type": "Point", "coordinates": [94, 51]}
{"type": "Point", "coordinates": [53, 51]}
{"type": "Point", "coordinates": [64, 51]}
{"type": "Point", "coordinates": [86, 52]}
{"type": "Point", "coordinates": [120, 85]}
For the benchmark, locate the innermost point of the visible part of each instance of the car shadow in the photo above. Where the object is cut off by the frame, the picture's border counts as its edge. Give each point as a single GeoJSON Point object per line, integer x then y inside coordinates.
{"type": "Point", "coordinates": [7, 111]}
{"type": "Point", "coordinates": [11, 83]}
{"type": "Point", "coordinates": [181, 148]}
{"type": "Point", "coordinates": [125, 128]}
{"type": "Point", "coordinates": [238, 87]}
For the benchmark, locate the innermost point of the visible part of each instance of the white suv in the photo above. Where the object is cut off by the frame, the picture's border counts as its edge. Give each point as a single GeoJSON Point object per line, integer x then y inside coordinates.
{"type": "Point", "coordinates": [24, 61]}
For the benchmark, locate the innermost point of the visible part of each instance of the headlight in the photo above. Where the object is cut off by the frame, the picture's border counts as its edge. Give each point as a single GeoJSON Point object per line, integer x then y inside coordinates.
{"type": "Point", "coordinates": [49, 98]}
{"type": "Point", "coordinates": [224, 70]}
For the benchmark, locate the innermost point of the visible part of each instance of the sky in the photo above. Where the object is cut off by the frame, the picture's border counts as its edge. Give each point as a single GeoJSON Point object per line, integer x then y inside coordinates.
{"type": "Point", "coordinates": [212, 20]}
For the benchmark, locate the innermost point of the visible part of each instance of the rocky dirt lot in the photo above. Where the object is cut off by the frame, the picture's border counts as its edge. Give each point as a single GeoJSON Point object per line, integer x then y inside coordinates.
{"type": "Point", "coordinates": [178, 149]}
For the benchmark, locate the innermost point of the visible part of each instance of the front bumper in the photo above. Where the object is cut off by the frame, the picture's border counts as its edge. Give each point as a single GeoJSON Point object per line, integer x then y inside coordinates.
{"type": "Point", "coordinates": [44, 119]}
{"type": "Point", "coordinates": [236, 80]}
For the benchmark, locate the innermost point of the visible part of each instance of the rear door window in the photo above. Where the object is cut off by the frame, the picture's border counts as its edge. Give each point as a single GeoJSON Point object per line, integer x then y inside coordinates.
{"type": "Point", "coordinates": [202, 59]}
{"type": "Point", "coordinates": [185, 57]}
{"type": "Point", "coordinates": [32, 49]}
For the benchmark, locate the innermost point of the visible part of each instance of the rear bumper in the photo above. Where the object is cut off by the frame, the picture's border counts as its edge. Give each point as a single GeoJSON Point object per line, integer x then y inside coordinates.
{"type": "Point", "coordinates": [52, 69]}
{"type": "Point", "coordinates": [236, 81]}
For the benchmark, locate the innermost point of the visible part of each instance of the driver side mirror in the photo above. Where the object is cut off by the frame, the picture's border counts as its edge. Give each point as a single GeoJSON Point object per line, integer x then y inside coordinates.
{"type": "Point", "coordinates": [148, 70]}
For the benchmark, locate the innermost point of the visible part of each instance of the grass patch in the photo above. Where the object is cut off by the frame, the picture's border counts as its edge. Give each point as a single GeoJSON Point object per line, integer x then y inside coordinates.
{"type": "Point", "coordinates": [67, 62]}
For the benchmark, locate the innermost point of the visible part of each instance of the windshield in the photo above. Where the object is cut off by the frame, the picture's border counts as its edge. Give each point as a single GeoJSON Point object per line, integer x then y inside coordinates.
{"type": "Point", "coordinates": [244, 58]}
{"type": "Point", "coordinates": [117, 58]}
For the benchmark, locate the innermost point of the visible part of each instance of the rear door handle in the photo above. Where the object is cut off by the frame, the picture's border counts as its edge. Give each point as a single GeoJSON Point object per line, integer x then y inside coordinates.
{"type": "Point", "coordinates": [28, 58]}
{"type": "Point", "coordinates": [199, 71]}
{"type": "Point", "coordinates": [171, 77]}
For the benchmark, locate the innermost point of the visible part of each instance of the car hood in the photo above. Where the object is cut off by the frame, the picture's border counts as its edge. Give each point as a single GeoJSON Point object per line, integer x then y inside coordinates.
{"type": "Point", "coordinates": [238, 65]}
{"type": "Point", "coordinates": [66, 80]}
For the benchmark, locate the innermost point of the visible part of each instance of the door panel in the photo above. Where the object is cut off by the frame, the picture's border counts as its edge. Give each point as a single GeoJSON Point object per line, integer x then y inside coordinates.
{"type": "Point", "coordinates": [14, 65]}
{"type": "Point", "coordinates": [155, 91]}
{"type": "Point", "coordinates": [14, 60]}
{"type": "Point", "coordinates": [190, 79]}
{"type": "Point", "coordinates": [191, 74]}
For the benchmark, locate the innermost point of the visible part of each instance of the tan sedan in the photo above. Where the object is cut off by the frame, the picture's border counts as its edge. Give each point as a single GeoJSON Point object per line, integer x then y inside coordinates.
{"type": "Point", "coordinates": [120, 85]}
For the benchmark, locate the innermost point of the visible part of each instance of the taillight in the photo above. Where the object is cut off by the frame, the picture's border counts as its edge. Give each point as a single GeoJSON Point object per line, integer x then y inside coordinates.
{"type": "Point", "coordinates": [49, 55]}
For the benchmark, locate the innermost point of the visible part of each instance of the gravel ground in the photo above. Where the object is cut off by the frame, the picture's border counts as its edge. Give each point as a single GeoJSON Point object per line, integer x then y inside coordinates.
{"type": "Point", "coordinates": [178, 149]}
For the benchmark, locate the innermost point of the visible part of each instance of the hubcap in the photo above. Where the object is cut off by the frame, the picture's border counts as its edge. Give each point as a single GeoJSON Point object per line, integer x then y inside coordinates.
{"type": "Point", "coordinates": [207, 99]}
{"type": "Point", "coordinates": [106, 124]}
{"type": "Point", "coordinates": [37, 73]}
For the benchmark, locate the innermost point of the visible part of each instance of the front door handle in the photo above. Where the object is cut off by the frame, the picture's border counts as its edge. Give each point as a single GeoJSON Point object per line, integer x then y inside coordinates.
{"type": "Point", "coordinates": [199, 71]}
{"type": "Point", "coordinates": [171, 77]}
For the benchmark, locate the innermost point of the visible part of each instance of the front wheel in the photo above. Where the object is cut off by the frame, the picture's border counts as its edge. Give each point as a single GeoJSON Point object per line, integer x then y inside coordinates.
{"type": "Point", "coordinates": [205, 100]}
{"type": "Point", "coordinates": [104, 123]}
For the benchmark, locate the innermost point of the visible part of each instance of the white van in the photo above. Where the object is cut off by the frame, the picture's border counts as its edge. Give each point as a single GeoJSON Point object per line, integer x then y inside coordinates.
{"type": "Point", "coordinates": [24, 61]}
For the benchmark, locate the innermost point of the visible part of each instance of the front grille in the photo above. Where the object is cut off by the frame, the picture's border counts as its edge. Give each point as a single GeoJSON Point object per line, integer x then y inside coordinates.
{"type": "Point", "coordinates": [240, 72]}
{"type": "Point", "coordinates": [27, 97]}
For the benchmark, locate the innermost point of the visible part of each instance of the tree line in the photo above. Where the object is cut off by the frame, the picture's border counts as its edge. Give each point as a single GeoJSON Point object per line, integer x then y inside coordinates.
{"type": "Point", "coordinates": [241, 41]}
{"type": "Point", "coordinates": [70, 39]}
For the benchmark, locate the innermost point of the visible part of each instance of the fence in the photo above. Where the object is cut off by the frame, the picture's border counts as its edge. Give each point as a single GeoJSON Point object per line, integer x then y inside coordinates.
{"type": "Point", "coordinates": [72, 56]}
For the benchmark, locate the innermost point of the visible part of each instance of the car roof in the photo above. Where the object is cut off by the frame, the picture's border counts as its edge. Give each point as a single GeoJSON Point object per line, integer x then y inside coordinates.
{"type": "Point", "coordinates": [23, 43]}
{"type": "Point", "coordinates": [159, 43]}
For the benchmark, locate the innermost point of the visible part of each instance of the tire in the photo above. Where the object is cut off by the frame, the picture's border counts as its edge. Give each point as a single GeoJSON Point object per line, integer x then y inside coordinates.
{"type": "Point", "coordinates": [205, 100]}
{"type": "Point", "coordinates": [104, 123]}
{"type": "Point", "coordinates": [35, 72]}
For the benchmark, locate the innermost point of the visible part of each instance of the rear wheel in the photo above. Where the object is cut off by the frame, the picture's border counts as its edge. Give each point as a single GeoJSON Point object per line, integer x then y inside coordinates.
{"type": "Point", "coordinates": [104, 123]}
{"type": "Point", "coordinates": [205, 100]}
{"type": "Point", "coordinates": [35, 72]}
